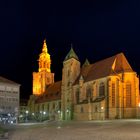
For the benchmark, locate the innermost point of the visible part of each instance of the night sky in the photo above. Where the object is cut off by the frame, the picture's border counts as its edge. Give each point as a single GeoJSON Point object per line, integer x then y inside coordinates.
{"type": "Point", "coordinates": [97, 29]}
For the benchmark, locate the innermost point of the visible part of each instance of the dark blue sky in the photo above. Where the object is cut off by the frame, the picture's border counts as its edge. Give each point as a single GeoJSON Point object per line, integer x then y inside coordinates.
{"type": "Point", "coordinates": [97, 29]}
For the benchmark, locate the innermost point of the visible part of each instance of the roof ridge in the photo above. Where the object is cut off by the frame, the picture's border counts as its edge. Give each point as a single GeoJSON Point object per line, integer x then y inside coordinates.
{"type": "Point", "coordinates": [5, 80]}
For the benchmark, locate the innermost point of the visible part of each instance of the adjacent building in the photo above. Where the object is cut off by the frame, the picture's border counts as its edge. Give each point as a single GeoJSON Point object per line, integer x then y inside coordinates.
{"type": "Point", "coordinates": [107, 89]}
{"type": "Point", "coordinates": [9, 99]}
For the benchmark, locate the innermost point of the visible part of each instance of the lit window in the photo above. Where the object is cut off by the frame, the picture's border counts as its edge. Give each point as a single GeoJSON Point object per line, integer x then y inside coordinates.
{"type": "Point", "coordinates": [113, 94]}
{"type": "Point", "coordinates": [96, 108]}
{"type": "Point", "coordinates": [128, 95]}
{"type": "Point", "coordinates": [102, 90]}
{"type": "Point", "coordinates": [88, 93]}
{"type": "Point", "coordinates": [77, 96]}
{"type": "Point", "coordinates": [82, 109]}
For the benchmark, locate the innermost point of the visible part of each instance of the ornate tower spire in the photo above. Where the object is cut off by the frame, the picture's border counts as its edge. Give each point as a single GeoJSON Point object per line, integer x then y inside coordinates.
{"type": "Point", "coordinates": [44, 59]}
{"type": "Point", "coordinates": [44, 49]}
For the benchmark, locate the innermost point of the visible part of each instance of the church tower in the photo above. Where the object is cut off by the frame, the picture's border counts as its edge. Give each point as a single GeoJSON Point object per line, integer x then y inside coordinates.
{"type": "Point", "coordinates": [44, 59]}
{"type": "Point", "coordinates": [70, 72]}
{"type": "Point", "coordinates": [43, 77]}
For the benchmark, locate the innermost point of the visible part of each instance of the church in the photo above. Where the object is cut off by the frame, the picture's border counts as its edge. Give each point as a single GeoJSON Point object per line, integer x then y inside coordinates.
{"type": "Point", "coordinates": [107, 89]}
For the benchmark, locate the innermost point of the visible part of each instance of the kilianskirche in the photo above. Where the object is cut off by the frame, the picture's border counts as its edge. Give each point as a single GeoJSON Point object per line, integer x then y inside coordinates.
{"type": "Point", "coordinates": [107, 89]}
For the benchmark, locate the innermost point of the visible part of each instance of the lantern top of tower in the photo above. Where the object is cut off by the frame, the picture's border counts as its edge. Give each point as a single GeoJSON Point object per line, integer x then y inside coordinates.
{"type": "Point", "coordinates": [44, 49]}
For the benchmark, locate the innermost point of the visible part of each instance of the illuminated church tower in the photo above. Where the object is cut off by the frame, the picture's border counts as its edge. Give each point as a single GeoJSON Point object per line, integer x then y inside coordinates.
{"type": "Point", "coordinates": [43, 77]}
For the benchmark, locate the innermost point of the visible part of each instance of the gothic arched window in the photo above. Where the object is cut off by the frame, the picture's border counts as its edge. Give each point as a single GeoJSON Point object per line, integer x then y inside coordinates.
{"type": "Point", "coordinates": [102, 89]}
{"type": "Point", "coordinates": [88, 92]}
{"type": "Point", "coordinates": [68, 73]}
{"type": "Point", "coordinates": [82, 109]}
{"type": "Point", "coordinates": [42, 107]}
{"type": "Point", "coordinates": [128, 95]}
{"type": "Point", "coordinates": [77, 96]}
{"type": "Point", "coordinates": [113, 94]}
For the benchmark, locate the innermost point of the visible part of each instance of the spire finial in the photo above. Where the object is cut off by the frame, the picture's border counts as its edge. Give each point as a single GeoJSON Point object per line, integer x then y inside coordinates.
{"type": "Point", "coordinates": [45, 40]}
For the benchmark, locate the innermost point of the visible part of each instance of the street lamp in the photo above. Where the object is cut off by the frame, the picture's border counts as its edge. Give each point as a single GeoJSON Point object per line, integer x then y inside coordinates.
{"type": "Point", "coordinates": [67, 110]}
{"type": "Point", "coordinates": [26, 114]}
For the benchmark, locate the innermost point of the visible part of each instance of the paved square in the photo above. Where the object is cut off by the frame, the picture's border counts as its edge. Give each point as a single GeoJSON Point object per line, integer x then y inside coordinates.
{"type": "Point", "coordinates": [93, 130]}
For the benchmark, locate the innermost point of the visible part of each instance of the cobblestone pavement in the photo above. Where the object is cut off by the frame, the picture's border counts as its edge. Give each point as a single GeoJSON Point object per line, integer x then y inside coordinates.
{"type": "Point", "coordinates": [95, 130]}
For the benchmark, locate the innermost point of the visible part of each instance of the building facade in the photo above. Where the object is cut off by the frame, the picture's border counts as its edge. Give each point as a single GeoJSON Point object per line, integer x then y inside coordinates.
{"type": "Point", "coordinates": [108, 89]}
{"type": "Point", "coordinates": [9, 100]}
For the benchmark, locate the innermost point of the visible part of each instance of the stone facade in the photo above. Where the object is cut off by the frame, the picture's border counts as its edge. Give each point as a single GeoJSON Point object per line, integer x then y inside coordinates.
{"type": "Point", "coordinates": [108, 89]}
{"type": "Point", "coordinates": [9, 99]}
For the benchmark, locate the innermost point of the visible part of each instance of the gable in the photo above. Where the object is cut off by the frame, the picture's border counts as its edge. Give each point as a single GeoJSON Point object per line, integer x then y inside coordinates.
{"type": "Point", "coordinates": [115, 64]}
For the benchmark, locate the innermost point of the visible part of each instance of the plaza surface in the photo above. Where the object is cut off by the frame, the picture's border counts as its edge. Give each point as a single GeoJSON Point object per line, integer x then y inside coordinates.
{"type": "Point", "coordinates": [90, 130]}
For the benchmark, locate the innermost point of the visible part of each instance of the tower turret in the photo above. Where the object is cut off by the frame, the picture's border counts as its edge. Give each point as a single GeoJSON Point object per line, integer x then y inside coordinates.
{"type": "Point", "coordinates": [71, 70]}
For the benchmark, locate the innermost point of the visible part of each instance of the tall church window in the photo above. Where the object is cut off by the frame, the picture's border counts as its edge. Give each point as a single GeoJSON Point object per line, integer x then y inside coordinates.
{"type": "Point", "coordinates": [59, 105]}
{"type": "Point", "coordinates": [113, 94]}
{"type": "Point", "coordinates": [77, 96]}
{"type": "Point", "coordinates": [42, 107]}
{"type": "Point", "coordinates": [44, 64]}
{"type": "Point", "coordinates": [82, 109]}
{"type": "Point", "coordinates": [48, 80]}
{"type": "Point", "coordinates": [68, 73]}
{"type": "Point", "coordinates": [128, 95]}
{"type": "Point", "coordinates": [96, 108]}
{"type": "Point", "coordinates": [88, 92]}
{"type": "Point", "coordinates": [48, 107]}
{"type": "Point", "coordinates": [40, 65]}
{"type": "Point", "coordinates": [53, 106]}
{"type": "Point", "coordinates": [102, 90]}
{"type": "Point", "coordinates": [68, 84]}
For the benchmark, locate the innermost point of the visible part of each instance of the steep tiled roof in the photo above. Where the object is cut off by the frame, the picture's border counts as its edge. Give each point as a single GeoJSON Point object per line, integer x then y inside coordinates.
{"type": "Point", "coordinates": [4, 80]}
{"type": "Point", "coordinates": [53, 92]}
{"type": "Point", "coordinates": [112, 65]}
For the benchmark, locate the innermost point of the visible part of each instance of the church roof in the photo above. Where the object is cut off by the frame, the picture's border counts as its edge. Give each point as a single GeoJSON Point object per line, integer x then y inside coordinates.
{"type": "Point", "coordinates": [4, 80]}
{"type": "Point", "coordinates": [53, 92]}
{"type": "Point", "coordinates": [71, 54]}
{"type": "Point", "coordinates": [110, 66]}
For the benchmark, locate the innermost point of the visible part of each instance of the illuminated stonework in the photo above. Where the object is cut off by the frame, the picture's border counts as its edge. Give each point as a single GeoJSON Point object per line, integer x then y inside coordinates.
{"type": "Point", "coordinates": [43, 77]}
{"type": "Point", "coordinates": [108, 89]}
{"type": "Point", "coordinates": [44, 59]}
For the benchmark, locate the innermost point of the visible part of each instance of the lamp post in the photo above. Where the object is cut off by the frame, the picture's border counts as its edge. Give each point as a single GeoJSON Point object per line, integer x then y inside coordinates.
{"type": "Point", "coordinates": [26, 114]}
{"type": "Point", "coordinates": [59, 113]}
{"type": "Point", "coordinates": [102, 112]}
{"type": "Point", "coordinates": [44, 117]}
{"type": "Point", "coordinates": [41, 115]}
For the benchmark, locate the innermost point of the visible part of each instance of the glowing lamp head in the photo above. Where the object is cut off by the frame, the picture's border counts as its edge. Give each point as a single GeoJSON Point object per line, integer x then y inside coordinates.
{"type": "Point", "coordinates": [27, 112]}
{"type": "Point", "coordinates": [102, 107]}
